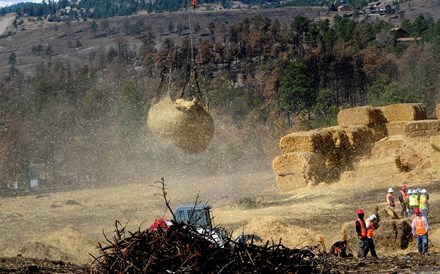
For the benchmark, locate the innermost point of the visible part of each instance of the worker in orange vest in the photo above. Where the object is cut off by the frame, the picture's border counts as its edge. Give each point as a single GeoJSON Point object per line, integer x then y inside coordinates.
{"type": "Point", "coordinates": [420, 228]}
{"type": "Point", "coordinates": [403, 196]}
{"type": "Point", "coordinates": [369, 243]}
{"type": "Point", "coordinates": [361, 230]}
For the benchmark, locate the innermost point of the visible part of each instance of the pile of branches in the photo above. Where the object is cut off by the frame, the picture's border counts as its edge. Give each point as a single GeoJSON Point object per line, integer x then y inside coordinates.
{"type": "Point", "coordinates": [181, 249]}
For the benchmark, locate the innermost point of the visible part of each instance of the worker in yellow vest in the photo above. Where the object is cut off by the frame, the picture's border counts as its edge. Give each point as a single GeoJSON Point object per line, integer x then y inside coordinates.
{"type": "Point", "coordinates": [420, 228]}
{"type": "Point", "coordinates": [423, 203]}
{"type": "Point", "coordinates": [413, 201]}
{"type": "Point", "coordinates": [361, 231]}
{"type": "Point", "coordinates": [371, 226]}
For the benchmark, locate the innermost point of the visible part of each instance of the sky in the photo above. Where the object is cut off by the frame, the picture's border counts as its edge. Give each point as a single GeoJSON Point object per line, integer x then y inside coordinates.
{"type": "Point", "coordinates": [11, 2]}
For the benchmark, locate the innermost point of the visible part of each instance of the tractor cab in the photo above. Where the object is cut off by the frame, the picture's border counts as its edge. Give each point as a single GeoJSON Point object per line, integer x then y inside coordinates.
{"type": "Point", "coordinates": [197, 215]}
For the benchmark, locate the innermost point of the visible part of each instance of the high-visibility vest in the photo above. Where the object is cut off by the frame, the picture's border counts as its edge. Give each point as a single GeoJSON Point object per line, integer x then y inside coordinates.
{"type": "Point", "coordinates": [370, 228]}
{"type": "Point", "coordinates": [423, 202]}
{"type": "Point", "coordinates": [363, 227]}
{"type": "Point", "coordinates": [420, 225]}
{"type": "Point", "coordinates": [391, 203]}
{"type": "Point", "coordinates": [413, 200]}
{"type": "Point", "coordinates": [404, 196]}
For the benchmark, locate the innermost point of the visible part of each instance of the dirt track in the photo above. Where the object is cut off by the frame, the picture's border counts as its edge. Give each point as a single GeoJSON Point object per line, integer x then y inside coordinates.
{"type": "Point", "coordinates": [4, 23]}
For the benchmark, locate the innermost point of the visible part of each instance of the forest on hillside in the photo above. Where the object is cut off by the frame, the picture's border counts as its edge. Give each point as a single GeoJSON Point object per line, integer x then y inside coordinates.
{"type": "Point", "coordinates": [97, 9]}
{"type": "Point", "coordinates": [87, 126]}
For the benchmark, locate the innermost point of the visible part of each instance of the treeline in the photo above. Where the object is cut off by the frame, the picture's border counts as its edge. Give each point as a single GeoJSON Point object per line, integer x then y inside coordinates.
{"type": "Point", "coordinates": [87, 126]}
{"type": "Point", "coordinates": [97, 9]}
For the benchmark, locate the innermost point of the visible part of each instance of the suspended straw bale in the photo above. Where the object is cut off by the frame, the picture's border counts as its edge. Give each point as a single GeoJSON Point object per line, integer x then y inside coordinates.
{"type": "Point", "coordinates": [396, 128]}
{"type": "Point", "coordinates": [365, 116]}
{"type": "Point", "coordinates": [423, 128]}
{"type": "Point", "coordinates": [305, 163]}
{"type": "Point", "coordinates": [404, 112]}
{"type": "Point", "coordinates": [185, 123]}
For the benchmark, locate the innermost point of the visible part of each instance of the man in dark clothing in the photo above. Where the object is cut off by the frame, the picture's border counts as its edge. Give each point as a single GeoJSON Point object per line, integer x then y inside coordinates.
{"type": "Point", "coordinates": [361, 231]}
{"type": "Point", "coordinates": [403, 200]}
{"type": "Point", "coordinates": [339, 249]}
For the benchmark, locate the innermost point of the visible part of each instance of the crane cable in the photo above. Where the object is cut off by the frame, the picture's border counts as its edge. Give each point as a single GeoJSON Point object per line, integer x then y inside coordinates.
{"type": "Point", "coordinates": [193, 77]}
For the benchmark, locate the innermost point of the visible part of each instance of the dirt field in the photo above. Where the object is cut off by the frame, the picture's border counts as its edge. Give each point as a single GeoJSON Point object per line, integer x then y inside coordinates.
{"type": "Point", "coordinates": [66, 225]}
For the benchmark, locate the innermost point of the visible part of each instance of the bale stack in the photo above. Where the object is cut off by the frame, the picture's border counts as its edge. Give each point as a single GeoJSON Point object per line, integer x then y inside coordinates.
{"type": "Point", "coordinates": [311, 157]}
{"type": "Point", "coordinates": [399, 116]}
{"type": "Point", "coordinates": [321, 155]}
{"type": "Point", "coordinates": [364, 116]}
{"type": "Point", "coordinates": [185, 123]}
{"type": "Point", "coordinates": [302, 161]}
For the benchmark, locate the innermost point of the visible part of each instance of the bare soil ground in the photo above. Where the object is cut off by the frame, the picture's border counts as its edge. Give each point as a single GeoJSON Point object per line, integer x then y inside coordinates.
{"type": "Point", "coordinates": [65, 226]}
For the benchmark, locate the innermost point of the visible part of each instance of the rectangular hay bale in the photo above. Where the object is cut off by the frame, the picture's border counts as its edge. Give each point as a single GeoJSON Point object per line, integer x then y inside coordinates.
{"type": "Point", "coordinates": [358, 135]}
{"type": "Point", "coordinates": [297, 163]}
{"type": "Point", "coordinates": [366, 115]}
{"type": "Point", "coordinates": [396, 128]}
{"type": "Point", "coordinates": [422, 128]}
{"type": "Point", "coordinates": [311, 141]}
{"type": "Point", "coordinates": [404, 112]}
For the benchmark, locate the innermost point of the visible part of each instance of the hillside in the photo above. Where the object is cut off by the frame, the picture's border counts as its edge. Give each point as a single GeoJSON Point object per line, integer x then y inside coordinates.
{"type": "Point", "coordinates": [63, 38]}
{"type": "Point", "coordinates": [33, 33]}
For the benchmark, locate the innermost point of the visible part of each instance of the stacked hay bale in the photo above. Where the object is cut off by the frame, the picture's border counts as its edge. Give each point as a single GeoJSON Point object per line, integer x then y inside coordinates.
{"type": "Point", "coordinates": [409, 120]}
{"type": "Point", "coordinates": [311, 157]}
{"type": "Point", "coordinates": [404, 112]}
{"type": "Point", "coordinates": [364, 116]}
{"type": "Point", "coordinates": [320, 155]}
{"type": "Point", "coordinates": [185, 123]}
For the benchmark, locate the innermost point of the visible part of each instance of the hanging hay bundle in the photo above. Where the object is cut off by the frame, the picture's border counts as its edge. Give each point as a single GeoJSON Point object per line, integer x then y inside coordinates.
{"type": "Point", "coordinates": [186, 124]}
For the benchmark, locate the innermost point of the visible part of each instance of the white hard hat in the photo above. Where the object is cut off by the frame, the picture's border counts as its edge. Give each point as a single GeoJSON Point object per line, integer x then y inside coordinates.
{"type": "Point", "coordinates": [372, 217]}
{"type": "Point", "coordinates": [423, 191]}
{"type": "Point", "coordinates": [417, 190]}
{"type": "Point", "coordinates": [390, 190]}
{"type": "Point", "coordinates": [409, 191]}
